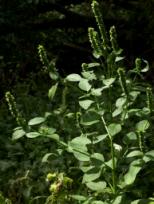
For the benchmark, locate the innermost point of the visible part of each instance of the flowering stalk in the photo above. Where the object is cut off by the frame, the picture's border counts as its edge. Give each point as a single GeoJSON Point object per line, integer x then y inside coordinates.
{"type": "Point", "coordinates": [95, 42]}
{"type": "Point", "coordinates": [149, 99]}
{"type": "Point", "coordinates": [13, 109]}
{"type": "Point", "coordinates": [101, 26]}
{"type": "Point", "coordinates": [122, 79]}
{"type": "Point", "coordinates": [113, 39]}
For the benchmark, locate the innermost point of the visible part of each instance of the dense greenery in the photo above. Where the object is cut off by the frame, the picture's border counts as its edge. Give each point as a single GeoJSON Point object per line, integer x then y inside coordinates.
{"type": "Point", "coordinates": [91, 142]}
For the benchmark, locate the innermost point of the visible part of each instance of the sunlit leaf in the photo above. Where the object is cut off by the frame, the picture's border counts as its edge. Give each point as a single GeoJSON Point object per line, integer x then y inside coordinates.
{"type": "Point", "coordinates": [146, 68]}
{"type": "Point", "coordinates": [78, 197]}
{"type": "Point", "coordinates": [142, 125]}
{"type": "Point", "coordinates": [135, 153]}
{"type": "Point", "coordinates": [46, 156]}
{"type": "Point", "coordinates": [36, 121]}
{"type": "Point", "coordinates": [114, 128]}
{"type": "Point", "coordinates": [85, 104]}
{"type": "Point", "coordinates": [109, 81]}
{"type": "Point", "coordinates": [134, 169]}
{"type": "Point", "coordinates": [18, 134]}
{"type": "Point", "coordinates": [32, 134]}
{"type": "Point", "coordinates": [84, 85]}
{"type": "Point", "coordinates": [91, 175]}
{"type": "Point", "coordinates": [96, 186]}
{"type": "Point", "coordinates": [73, 77]}
{"type": "Point", "coordinates": [52, 91]}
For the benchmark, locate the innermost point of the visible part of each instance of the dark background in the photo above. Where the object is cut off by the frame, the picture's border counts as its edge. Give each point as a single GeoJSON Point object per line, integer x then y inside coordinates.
{"type": "Point", "coordinates": [61, 26]}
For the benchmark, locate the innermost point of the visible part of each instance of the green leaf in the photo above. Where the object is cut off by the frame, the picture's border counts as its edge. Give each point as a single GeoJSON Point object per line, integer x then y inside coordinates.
{"type": "Point", "coordinates": [142, 126]}
{"type": "Point", "coordinates": [117, 111]}
{"type": "Point", "coordinates": [146, 68]}
{"type": "Point", "coordinates": [108, 82]}
{"type": "Point", "coordinates": [91, 175]}
{"type": "Point", "coordinates": [99, 138]}
{"type": "Point", "coordinates": [53, 136]}
{"type": "Point", "coordinates": [96, 186]}
{"type": "Point", "coordinates": [90, 118]}
{"type": "Point", "coordinates": [85, 104]}
{"type": "Point", "coordinates": [53, 75]}
{"type": "Point", "coordinates": [130, 137]}
{"type": "Point", "coordinates": [110, 163]}
{"type": "Point", "coordinates": [95, 64]}
{"type": "Point", "coordinates": [73, 77]}
{"type": "Point", "coordinates": [98, 202]}
{"type": "Point", "coordinates": [81, 156]}
{"type": "Point", "coordinates": [96, 92]}
{"type": "Point", "coordinates": [78, 147]}
{"type": "Point", "coordinates": [18, 133]}
{"type": "Point", "coordinates": [135, 153]}
{"type": "Point", "coordinates": [114, 128]}
{"type": "Point", "coordinates": [134, 169]}
{"type": "Point", "coordinates": [97, 156]}
{"type": "Point", "coordinates": [52, 91]}
{"type": "Point", "coordinates": [120, 101]}
{"type": "Point", "coordinates": [33, 134]}
{"type": "Point", "coordinates": [46, 157]}
{"type": "Point", "coordinates": [149, 156]}
{"type": "Point", "coordinates": [84, 85]}
{"type": "Point", "coordinates": [118, 58]}
{"type": "Point", "coordinates": [36, 121]}
{"type": "Point", "coordinates": [89, 75]}
{"type": "Point", "coordinates": [78, 197]}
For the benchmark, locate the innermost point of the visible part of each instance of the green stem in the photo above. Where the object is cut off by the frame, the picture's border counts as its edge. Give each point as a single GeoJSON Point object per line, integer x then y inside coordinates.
{"type": "Point", "coordinates": [140, 141]}
{"type": "Point", "coordinates": [112, 155]}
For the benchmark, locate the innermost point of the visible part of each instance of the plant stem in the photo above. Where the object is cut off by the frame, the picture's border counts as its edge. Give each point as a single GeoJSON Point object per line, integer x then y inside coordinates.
{"type": "Point", "coordinates": [112, 155]}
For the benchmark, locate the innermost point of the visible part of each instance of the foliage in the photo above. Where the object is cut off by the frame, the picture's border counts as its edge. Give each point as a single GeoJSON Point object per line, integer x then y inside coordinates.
{"type": "Point", "coordinates": [98, 128]}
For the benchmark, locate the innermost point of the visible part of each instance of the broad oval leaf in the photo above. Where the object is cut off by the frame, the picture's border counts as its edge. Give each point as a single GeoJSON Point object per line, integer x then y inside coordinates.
{"type": "Point", "coordinates": [98, 202]}
{"type": "Point", "coordinates": [96, 92]}
{"type": "Point", "coordinates": [78, 197]}
{"type": "Point", "coordinates": [89, 75]}
{"type": "Point", "coordinates": [52, 91]}
{"type": "Point", "coordinates": [120, 101]}
{"type": "Point", "coordinates": [130, 137]}
{"type": "Point", "coordinates": [81, 156]}
{"type": "Point", "coordinates": [149, 156]}
{"type": "Point", "coordinates": [108, 82]}
{"type": "Point", "coordinates": [18, 134]}
{"type": "Point", "coordinates": [33, 134]}
{"type": "Point", "coordinates": [53, 136]}
{"type": "Point", "coordinates": [96, 186]}
{"type": "Point", "coordinates": [134, 169]}
{"type": "Point", "coordinates": [84, 85]}
{"type": "Point", "coordinates": [73, 77]}
{"type": "Point", "coordinates": [142, 125]}
{"type": "Point", "coordinates": [85, 104]}
{"type": "Point", "coordinates": [91, 175]}
{"type": "Point", "coordinates": [135, 153]}
{"type": "Point", "coordinates": [114, 128]}
{"type": "Point", "coordinates": [36, 121]}
{"type": "Point", "coordinates": [117, 111]}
